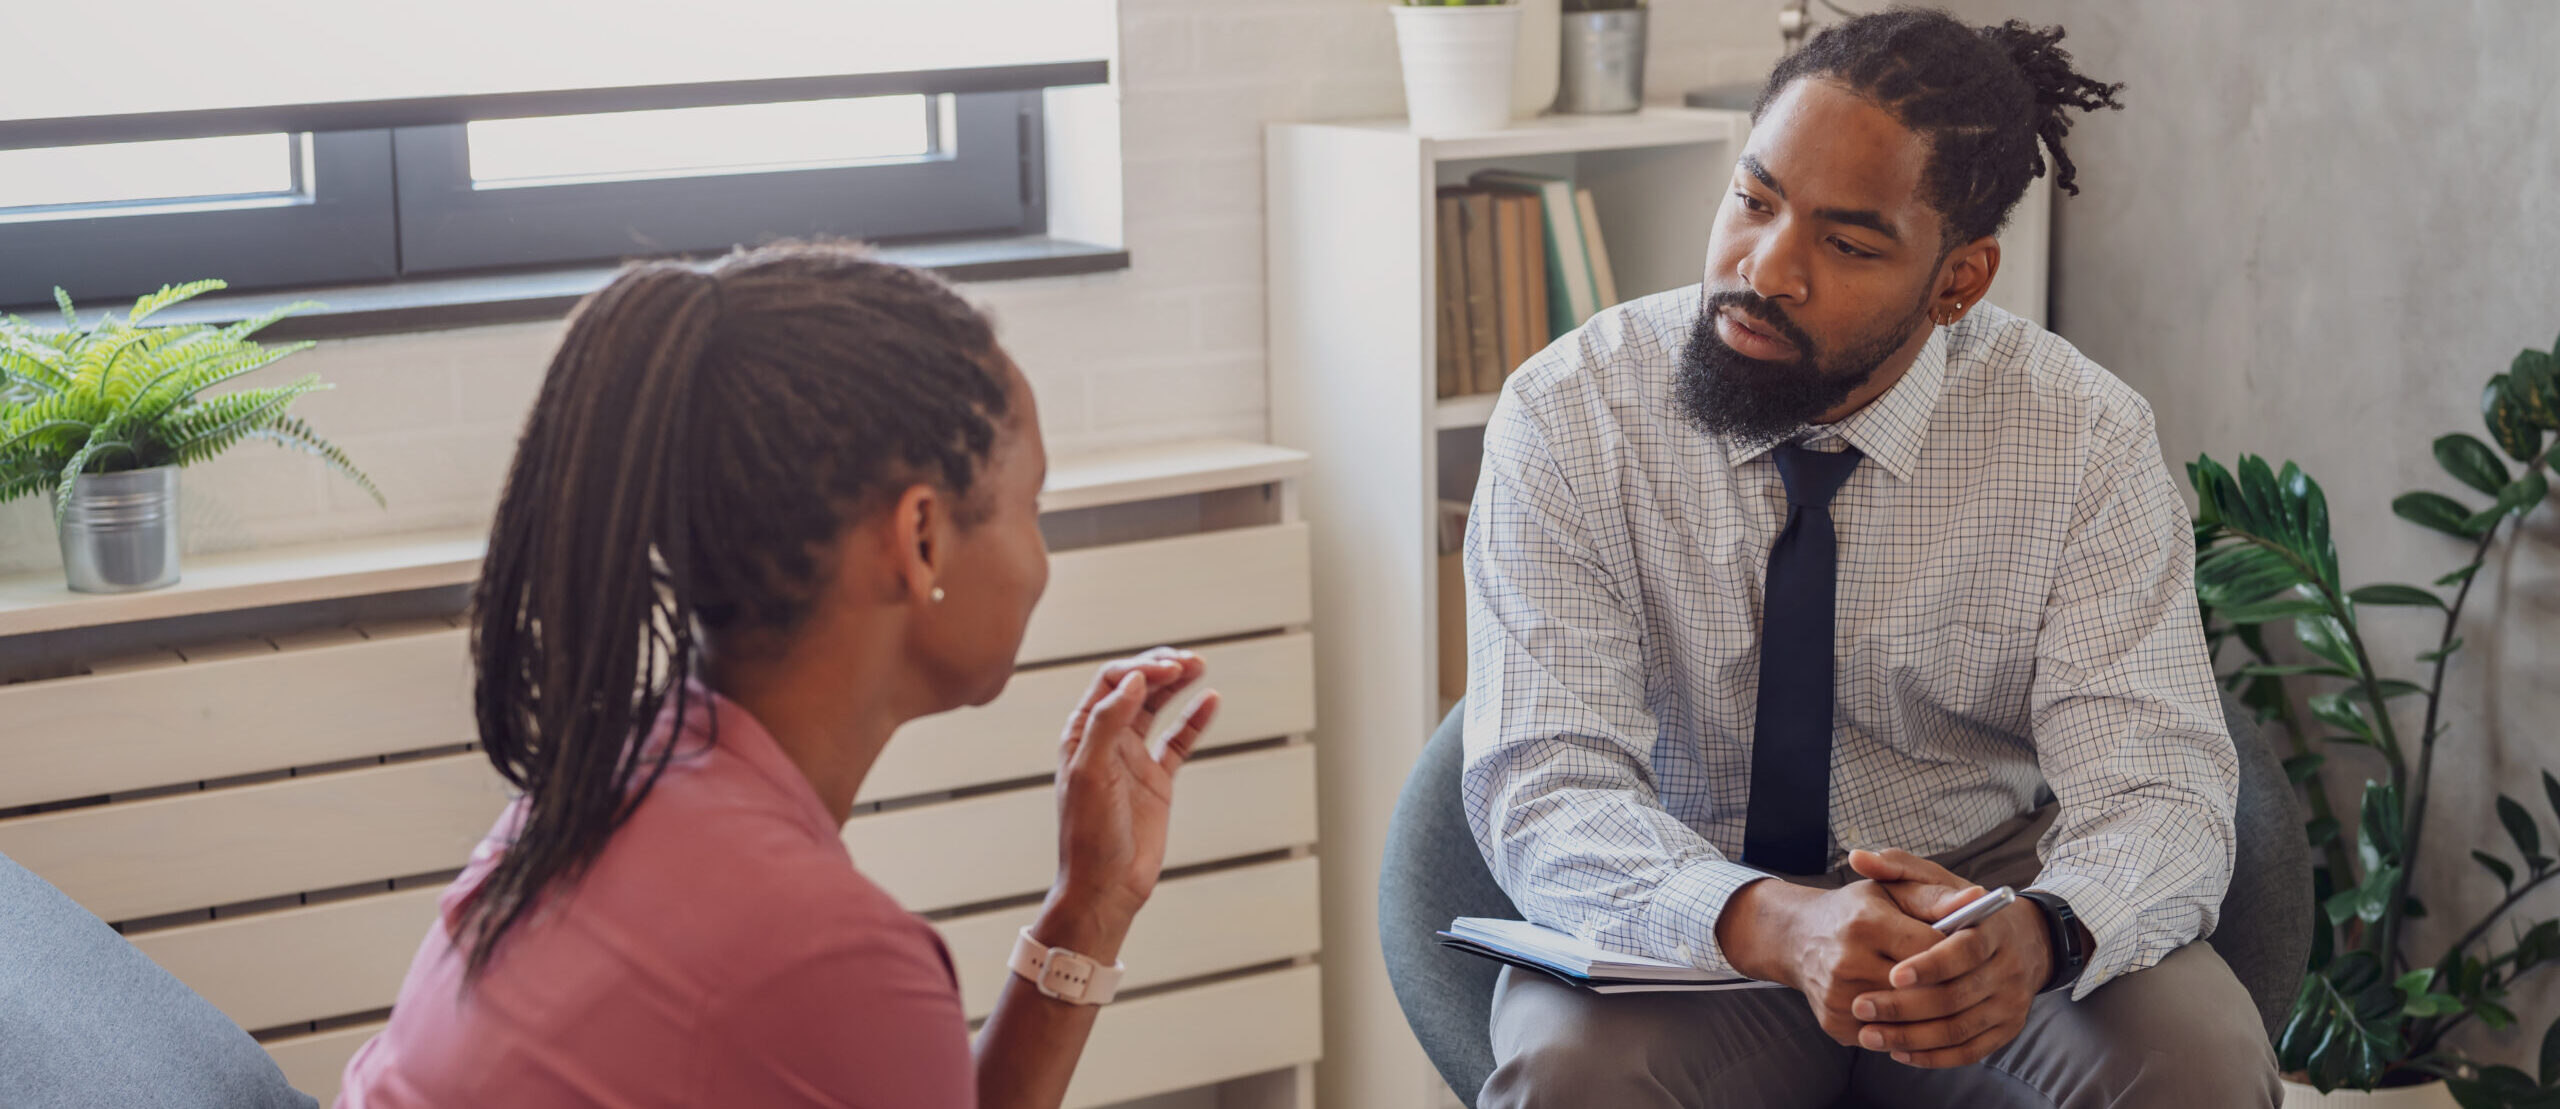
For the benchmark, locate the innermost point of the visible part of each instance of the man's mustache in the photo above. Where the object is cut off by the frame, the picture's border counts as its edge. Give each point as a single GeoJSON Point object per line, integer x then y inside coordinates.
{"type": "Point", "coordinates": [1765, 313]}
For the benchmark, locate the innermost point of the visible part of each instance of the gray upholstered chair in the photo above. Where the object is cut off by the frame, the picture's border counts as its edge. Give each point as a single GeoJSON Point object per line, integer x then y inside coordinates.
{"type": "Point", "coordinates": [87, 1019]}
{"type": "Point", "coordinates": [1433, 873]}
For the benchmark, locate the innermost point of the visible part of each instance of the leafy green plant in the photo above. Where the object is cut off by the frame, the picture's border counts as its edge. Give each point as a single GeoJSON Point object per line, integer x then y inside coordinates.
{"type": "Point", "coordinates": [117, 395]}
{"type": "Point", "coordinates": [2367, 1015]}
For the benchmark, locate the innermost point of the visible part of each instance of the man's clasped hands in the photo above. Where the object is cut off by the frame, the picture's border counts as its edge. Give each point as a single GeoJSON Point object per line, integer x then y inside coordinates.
{"type": "Point", "coordinates": [1877, 975]}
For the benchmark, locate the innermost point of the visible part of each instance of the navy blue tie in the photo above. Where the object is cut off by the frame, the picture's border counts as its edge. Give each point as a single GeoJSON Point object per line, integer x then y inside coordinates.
{"type": "Point", "coordinates": [1789, 824]}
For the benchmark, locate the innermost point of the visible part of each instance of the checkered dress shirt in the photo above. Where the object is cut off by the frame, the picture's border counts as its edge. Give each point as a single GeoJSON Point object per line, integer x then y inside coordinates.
{"type": "Point", "coordinates": [2017, 622]}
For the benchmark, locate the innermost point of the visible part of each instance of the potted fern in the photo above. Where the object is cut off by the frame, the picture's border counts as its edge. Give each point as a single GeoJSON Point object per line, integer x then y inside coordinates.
{"type": "Point", "coordinates": [102, 417]}
{"type": "Point", "coordinates": [2372, 1018]}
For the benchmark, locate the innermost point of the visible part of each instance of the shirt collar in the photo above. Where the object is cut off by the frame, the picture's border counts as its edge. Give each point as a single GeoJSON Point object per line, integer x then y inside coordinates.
{"type": "Point", "coordinates": [1892, 427]}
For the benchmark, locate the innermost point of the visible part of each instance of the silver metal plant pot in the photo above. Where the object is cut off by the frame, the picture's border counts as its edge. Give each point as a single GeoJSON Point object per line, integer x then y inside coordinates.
{"type": "Point", "coordinates": [120, 533]}
{"type": "Point", "coordinates": [1603, 62]}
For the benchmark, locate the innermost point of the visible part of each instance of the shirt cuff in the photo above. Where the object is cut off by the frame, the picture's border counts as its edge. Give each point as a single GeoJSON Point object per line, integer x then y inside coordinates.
{"type": "Point", "coordinates": [1681, 921]}
{"type": "Point", "coordinates": [2110, 922]}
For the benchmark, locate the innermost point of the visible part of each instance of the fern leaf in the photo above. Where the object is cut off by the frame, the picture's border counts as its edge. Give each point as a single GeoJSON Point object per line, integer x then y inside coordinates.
{"type": "Point", "coordinates": [290, 432]}
{"type": "Point", "coordinates": [171, 294]}
{"type": "Point", "coordinates": [31, 361]}
{"type": "Point", "coordinates": [70, 318]}
{"type": "Point", "coordinates": [257, 323]}
{"type": "Point", "coordinates": [70, 471]}
{"type": "Point", "coordinates": [178, 384]}
{"type": "Point", "coordinates": [209, 437]}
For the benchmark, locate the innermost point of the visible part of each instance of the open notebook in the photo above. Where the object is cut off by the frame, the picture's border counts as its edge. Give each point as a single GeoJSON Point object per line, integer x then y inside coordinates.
{"type": "Point", "coordinates": [1579, 962]}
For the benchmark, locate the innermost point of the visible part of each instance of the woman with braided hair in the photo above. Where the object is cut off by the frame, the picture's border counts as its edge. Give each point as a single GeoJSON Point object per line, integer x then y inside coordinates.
{"type": "Point", "coordinates": [1818, 598]}
{"type": "Point", "coordinates": [760, 516]}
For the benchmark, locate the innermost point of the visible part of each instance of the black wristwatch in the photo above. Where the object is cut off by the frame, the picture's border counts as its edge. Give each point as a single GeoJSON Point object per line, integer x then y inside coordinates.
{"type": "Point", "coordinates": [2062, 926]}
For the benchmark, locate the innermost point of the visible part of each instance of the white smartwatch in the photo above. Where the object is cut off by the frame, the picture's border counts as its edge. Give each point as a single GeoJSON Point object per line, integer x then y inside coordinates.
{"type": "Point", "coordinates": [1063, 974]}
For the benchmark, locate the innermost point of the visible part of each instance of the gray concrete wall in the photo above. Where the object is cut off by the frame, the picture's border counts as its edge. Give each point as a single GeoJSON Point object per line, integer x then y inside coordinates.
{"type": "Point", "coordinates": [2313, 233]}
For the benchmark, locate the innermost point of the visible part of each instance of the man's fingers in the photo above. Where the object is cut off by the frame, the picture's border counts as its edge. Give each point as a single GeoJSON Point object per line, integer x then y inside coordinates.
{"type": "Point", "coordinates": [1947, 960]}
{"type": "Point", "coordinates": [1920, 1003]}
{"type": "Point", "coordinates": [1967, 1053]}
{"type": "Point", "coordinates": [1930, 1035]}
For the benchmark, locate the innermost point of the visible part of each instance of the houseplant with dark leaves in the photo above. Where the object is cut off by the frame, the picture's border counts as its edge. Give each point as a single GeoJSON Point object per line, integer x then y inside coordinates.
{"type": "Point", "coordinates": [2371, 1012]}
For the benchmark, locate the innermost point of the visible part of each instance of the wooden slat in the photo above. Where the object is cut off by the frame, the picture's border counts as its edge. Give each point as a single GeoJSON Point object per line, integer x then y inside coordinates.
{"type": "Point", "coordinates": [36, 601]}
{"type": "Point", "coordinates": [1135, 595]}
{"type": "Point", "coordinates": [1193, 1037]}
{"type": "Point", "coordinates": [1004, 844]}
{"type": "Point", "coordinates": [1193, 926]}
{"type": "Point", "coordinates": [1165, 470]}
{"type": "Point", "coordinates": [310, 963]}
{"type": "Point", "coordinates": [1266, 688]}
{"type": "Point", "coordinates": [216, 847]}
{"type": "Point", "coordinates": [314, 1063]}
{"type": "Point", "coordinates": [241, 714]}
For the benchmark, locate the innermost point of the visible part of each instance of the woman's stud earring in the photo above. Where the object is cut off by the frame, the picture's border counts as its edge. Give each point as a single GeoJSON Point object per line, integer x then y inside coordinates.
{"type": "Point", "coordinates": [937, 594]}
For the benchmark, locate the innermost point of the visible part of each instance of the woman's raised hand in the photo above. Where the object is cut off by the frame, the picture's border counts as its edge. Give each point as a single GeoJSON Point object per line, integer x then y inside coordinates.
{"type": "Point", "coordinates": [1114, 799]}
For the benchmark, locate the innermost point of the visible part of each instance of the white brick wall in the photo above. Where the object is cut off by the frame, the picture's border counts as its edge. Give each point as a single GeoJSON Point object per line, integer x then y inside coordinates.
{"type": "Point", "coordinates": [1169, 348]}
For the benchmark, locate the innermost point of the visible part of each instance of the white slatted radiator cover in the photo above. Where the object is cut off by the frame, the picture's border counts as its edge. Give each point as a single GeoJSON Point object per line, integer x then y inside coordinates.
{"type": "Point", "coordinates": [249, 810]}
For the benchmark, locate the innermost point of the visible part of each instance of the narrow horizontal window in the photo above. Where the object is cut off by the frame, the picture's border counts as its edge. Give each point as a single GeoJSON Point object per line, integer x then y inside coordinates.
{"type": "Point", "coordinates": [55, 182]}
{"type": "Point", "coordinates": [701, 142]}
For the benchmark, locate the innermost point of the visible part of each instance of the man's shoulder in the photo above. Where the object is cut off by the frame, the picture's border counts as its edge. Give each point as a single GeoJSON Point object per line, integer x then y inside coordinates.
{"type": "Point", "coordinates": [2002, 363]}
{"type": "Point", "coordinates": [1621, 363]}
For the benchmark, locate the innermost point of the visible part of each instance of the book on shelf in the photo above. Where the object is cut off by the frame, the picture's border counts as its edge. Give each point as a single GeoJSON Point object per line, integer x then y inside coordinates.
{"type": "Point", "coordinates": [1510, 262]}
{"type": "Point", "coordinates": [1484, 300]}
{"type": "Point", "coordinates": [1580, 962]}
{"type": "Point", "coordinates": [1454, 360]}
{"type": "Point", "coordinates": [1605, 281]}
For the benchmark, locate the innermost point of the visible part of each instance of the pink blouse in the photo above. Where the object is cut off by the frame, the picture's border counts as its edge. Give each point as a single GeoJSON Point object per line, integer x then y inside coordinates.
{"type": "Point", "coordinates": [721, 951]}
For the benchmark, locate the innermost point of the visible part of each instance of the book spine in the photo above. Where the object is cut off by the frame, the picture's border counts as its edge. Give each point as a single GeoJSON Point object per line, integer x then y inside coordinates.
{"type": "Point", "coordinates": [1569, 265]}
{"type": "Point", "coordinates": [1603, 282]}
{"type": "Point", "coordinates": [1449, 250]}
{"type": "Point", "coordinates": [1484, 316]}
{"type": "Point", "coordinates": [1510, 263]}
{"type": "Point", "coordinates": [1533, 239]}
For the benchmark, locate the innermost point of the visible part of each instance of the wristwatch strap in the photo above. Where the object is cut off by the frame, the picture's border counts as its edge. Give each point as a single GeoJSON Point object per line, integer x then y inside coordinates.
{"type": "Point", "coordinates": [2062, 928]}
{"type": "Point", "coordinates": [1070, 977]}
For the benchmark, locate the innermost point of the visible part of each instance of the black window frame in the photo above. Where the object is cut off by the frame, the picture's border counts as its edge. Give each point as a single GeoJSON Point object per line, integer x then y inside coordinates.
{"type": "Point", "coordinates": [392, 200]}
{"type": "Point", "coordinates": [341, 230]}
{"type": "Point", "coordinates": [985, 185]}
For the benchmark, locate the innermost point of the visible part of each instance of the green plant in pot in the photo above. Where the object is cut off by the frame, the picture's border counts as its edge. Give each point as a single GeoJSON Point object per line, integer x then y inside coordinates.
{"type": "Point", "coordinates": [2372, 1013]}
{"type": "Point", "coordinates": [101, 417]}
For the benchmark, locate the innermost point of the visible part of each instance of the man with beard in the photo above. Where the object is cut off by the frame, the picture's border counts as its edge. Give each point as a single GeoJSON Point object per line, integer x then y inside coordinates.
{"type": "Point", "coordinates": [1805, 602]}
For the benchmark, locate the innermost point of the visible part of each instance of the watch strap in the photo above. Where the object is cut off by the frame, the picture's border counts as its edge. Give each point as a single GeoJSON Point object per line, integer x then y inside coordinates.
{"type": "Point", "coordinates": [2061, 928]}
{"type": "Point", "coordinates": [1068, 976]}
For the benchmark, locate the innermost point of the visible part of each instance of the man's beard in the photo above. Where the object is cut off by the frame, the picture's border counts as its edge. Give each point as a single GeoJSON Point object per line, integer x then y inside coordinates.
{"type": "Point", "coordinates": [1732, 395]}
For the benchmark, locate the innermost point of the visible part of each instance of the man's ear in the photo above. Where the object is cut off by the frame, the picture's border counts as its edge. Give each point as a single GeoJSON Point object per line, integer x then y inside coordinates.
{"type": "Point", "coordinates": [919, 535]}
{"type": "Point", "coordinates": [1965, 278]}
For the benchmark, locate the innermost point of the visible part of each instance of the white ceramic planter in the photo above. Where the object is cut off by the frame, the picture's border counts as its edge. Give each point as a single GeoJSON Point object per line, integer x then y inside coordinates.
{"type": "Point", "coordinates": [1538, 64]}
{"type": "Point", "coordinates": [1458, 63]}
{"type": "Point", "coordinates": [2433, 1095]}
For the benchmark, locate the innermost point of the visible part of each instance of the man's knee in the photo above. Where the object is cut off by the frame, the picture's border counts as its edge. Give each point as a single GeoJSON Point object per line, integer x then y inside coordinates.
{"type": "Point", "coordinates": [1561, 1046]}
{"type": "Point", "coordinates": [2183, 1032]}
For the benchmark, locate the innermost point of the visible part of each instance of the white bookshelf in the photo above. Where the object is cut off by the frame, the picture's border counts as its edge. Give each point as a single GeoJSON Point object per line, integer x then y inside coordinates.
{"type": "Point", "coordinates": [1353, 384]}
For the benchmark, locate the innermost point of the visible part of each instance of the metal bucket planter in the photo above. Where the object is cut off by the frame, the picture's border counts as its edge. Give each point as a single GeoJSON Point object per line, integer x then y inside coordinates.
{"type": "Point", "coordinates": [120, 531]}
{"type": "Point", "coordinates": [1603, 62]}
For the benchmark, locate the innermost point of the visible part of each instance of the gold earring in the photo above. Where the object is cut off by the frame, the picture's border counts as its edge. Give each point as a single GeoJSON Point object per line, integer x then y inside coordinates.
{"type": "Point", "coordinates": [937, 594]}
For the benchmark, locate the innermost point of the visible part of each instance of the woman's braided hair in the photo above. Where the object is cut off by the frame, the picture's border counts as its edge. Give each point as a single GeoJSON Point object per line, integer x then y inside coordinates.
{"type": "Point", "coordinates": [700, 441]}
{"type": "Point", "coordinates": [1984, 97]}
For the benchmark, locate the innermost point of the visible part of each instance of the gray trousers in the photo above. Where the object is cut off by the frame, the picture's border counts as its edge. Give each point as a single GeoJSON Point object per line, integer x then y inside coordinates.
{"type": "Point", "coordinates": [2182, 1035]}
